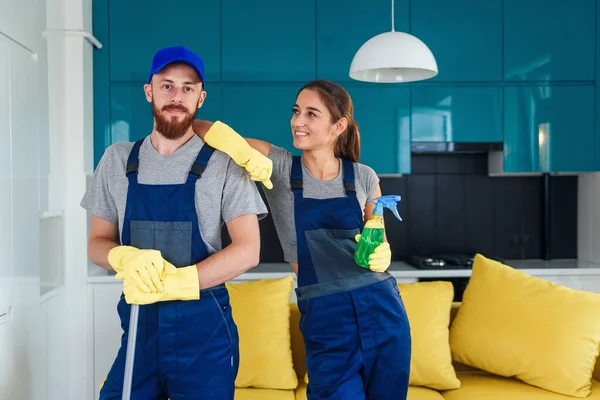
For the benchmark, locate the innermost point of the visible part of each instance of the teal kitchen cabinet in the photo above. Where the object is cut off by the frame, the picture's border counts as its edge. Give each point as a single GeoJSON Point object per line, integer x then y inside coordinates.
{"type": "Point", "coordinates": [382, 114]}
{"type": "Point", "coordinates": [138, 28]}
{"type": "Point", "coordinates": [549, 40]}
{"type": "Point", "coordinates": [465, 36]}
{"type": "Point", "coordinates": [261, 111]}
{"type": "Point", "coordinates": [269, 40]}
{"type": "Point", "coordinates": [131, 114]}
{"type": "Point", "coordinates": [342, 27]}
{"type": "Point", "coordinates": [456, 114]}
{"type": "Point", "coordinates": [549, 129]}
{"type": "Point", "coordinates": [597, 86]}
{"type": "Point", "coordinates": [101, 79]}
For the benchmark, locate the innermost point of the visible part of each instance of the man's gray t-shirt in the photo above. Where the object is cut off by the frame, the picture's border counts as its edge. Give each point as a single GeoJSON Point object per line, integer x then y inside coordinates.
{"type": "Point", "coordinates": [281, 197]}
{"type": "Point", "coordinates": [223, 193]}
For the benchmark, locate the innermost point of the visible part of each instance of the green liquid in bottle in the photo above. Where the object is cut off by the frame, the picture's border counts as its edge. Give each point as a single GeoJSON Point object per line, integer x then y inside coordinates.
{"type": "Point", "coordinates": [369, 240]}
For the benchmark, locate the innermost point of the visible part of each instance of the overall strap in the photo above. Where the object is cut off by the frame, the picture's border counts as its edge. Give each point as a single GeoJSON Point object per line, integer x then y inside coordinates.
{"type": "Point", "coordinates": [200, 164]}
{"type": "Point", "coordinates": [349, 186]}
{"type": "Point", "coordinates": [133, 162]}
{"type": "Point", "coordinates": [296, 177]}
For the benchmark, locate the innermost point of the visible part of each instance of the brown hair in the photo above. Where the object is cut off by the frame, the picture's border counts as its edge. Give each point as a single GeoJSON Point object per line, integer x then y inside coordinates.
{"type": "Point", "coordinates": [339, 104]}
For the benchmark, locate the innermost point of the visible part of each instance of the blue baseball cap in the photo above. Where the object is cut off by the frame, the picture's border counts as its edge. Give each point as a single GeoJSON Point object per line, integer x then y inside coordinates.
{"type": "Point", "coordinates": [170, 55]}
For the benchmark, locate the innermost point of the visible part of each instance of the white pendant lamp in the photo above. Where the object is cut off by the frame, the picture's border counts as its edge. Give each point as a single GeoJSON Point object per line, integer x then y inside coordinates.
{"type": "Point", "coordinates": [393, 57]}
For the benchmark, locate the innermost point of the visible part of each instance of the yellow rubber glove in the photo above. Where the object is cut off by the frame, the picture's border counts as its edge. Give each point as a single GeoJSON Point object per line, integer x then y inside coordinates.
{"type": "Point", "coordinates": [381, 258]}
{"type": "Point", "coordinates": [143, 267]}
{"type": "Point", "coordinates": [223, 138]}
{"type": "Point", "coordinates": [179, 284]}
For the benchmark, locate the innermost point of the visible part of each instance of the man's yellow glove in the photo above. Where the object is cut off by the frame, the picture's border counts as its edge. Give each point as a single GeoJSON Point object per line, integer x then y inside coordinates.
{"type": "Point", "coordinates": [223, 138]}
{"type": "Point", "coordinates": [179, 284]}
{"type": "Point", "coordinates": [381, 258]}
{"type": "Point", "coordinates": [142, 267]}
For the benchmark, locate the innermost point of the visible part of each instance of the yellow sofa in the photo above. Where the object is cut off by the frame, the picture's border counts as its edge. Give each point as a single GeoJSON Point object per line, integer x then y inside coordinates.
{"type": "Point", "coordinates": [475, 384]}
{"type": "Point", "coordinates": [513, 336]}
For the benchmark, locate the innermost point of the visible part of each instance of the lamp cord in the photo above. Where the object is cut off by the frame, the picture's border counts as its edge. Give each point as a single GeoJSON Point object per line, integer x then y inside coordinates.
{"type": "Point", "coordinates": [392, 15]}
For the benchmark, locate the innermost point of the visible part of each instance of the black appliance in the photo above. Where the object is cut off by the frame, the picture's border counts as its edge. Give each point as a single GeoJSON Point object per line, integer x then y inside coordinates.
{"type": "Point", "coordinates": [447, 262]}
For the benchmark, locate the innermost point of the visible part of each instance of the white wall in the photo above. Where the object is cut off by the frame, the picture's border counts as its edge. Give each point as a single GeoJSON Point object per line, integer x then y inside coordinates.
{"type": "Point", "coordinates": [23, 192]}
{"type": "Point", "coordinates": [588, 213]}
{"type": "Point", "coordinates": [46, 135]}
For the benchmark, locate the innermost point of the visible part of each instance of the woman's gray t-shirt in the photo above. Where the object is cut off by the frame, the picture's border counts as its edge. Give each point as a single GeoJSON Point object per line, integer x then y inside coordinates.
{"type": "Point", "coordinates": [281, 197]}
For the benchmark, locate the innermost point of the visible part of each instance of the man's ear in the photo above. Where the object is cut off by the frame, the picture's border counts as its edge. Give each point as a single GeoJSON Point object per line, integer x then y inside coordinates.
{"type": "Point", "coordinates": [202, 98]}
{"type": "Point", "coordinates": [148, 92]}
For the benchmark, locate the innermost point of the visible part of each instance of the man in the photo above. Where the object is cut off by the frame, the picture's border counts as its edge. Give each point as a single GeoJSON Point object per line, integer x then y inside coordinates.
{"type": "Point", "coordinates": [158, 207]}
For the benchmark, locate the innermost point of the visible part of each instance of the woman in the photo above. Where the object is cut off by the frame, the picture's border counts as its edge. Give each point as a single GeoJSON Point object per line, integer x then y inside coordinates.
{"type": "Point", "coordinates": [353, 320]}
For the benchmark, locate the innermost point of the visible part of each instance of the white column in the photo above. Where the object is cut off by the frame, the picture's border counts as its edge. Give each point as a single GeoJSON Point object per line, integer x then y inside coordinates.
{"type": "Point", "coordinates": [71, 144]}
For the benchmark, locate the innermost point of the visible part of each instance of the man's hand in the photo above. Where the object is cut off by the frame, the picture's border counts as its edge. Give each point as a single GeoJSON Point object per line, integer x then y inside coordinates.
{"type": "Point", "coordinates": [179, 284]}
{"type": "Point", "coordinates": [144, 268]}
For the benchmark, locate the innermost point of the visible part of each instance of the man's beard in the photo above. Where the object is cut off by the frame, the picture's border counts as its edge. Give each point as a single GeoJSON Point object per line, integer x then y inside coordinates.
{"type": "Point", "coordinates": [173, 129]}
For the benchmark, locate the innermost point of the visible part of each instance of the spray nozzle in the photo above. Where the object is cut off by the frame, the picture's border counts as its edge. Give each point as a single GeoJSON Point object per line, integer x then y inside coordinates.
{"type": "Point", "coordinates": [388, 202]}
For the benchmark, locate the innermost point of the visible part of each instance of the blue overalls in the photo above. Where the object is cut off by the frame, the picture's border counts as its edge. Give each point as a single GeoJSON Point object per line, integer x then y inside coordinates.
{"type": "Point", "coordinates": [353, 321]}
{"type": "Point", "coordinates": [185, 350]}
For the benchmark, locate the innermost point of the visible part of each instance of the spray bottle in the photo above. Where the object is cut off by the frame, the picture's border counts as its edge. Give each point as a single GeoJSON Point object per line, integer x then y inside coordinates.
{"type": "Point", "coordinates": [373, 232]}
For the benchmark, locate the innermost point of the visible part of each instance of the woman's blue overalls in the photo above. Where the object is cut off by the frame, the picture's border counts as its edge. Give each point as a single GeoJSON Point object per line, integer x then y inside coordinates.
{"type": "Point", "coordinates": [185, 350]}
{"type": "Point", "coordinates": [353, 321]}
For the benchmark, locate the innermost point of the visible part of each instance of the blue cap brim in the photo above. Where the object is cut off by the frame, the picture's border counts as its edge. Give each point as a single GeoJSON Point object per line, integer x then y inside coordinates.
{"type": "Point", "coordinates": [184, 61]}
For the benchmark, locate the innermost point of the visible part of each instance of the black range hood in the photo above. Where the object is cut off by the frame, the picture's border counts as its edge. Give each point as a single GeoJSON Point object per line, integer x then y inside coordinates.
{"type": "Point", "coordinates": [452, 147]}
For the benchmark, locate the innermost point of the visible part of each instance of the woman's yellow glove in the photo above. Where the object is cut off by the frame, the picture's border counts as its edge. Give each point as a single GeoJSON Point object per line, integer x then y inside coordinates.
{"type": "Point", "coordinates": [179, 284]}
{"type": "Point", "coordinates": [142, 267]}
{"type": "Point", "coordinates": [223, 138]}
{"type": "Point", "coordinates": [381, 258]}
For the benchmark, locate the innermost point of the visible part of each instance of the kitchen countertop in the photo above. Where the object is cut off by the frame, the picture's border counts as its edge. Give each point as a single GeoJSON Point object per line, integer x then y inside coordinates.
{"type": "Point", "coordinates": [402, 270]}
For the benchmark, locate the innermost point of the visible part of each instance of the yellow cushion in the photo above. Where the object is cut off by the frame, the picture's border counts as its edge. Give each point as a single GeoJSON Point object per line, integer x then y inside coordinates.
{"type": "Point", "coordinates": [428, 307]}
{"type": "Point", "coordinates": [491, 387]}
{"type": "Point", "coordinates": [263, 394]}
{"type": "Point", "coordinates": [514, 324]}
{"type": "Point", "coordinates": [414, 393]}
{"type": "Point", "coordinates": [261, 311]}
{"type": "Point", "coordinates": [421, 393]}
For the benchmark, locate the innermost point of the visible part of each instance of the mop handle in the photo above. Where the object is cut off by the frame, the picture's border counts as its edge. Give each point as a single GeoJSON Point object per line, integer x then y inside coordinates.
{"type": "Point", "coordinates": [130, 355]}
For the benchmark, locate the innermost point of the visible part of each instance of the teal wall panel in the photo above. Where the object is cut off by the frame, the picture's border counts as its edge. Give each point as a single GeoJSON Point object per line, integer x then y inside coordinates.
{"type": "Point", "coordinates": [549, 40]}
{"type": "Point", "coordinates": [597, 97]}
{"type": "Point", "coordinates": [383, 119]}
{"type": "Point", "coordinates": [456, 114]}
{"type": "Point", "coordinates": [549, 129]}
{"type": "Point", "coordinates": [138, 28]}
{"type": "Point", "coordinates": [101, 79]}
{"type": "Point", "coordinates": [464, 35]}
{"type": "Point", "coordinates": [268, 40]}
{"type": "Point", "coordinates": [261, 111]}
